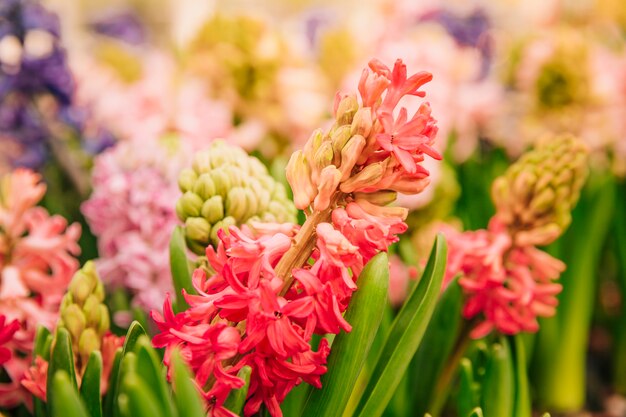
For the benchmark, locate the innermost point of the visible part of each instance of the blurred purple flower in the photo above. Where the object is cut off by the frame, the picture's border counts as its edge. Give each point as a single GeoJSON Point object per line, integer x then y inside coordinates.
{"type": "Point", "coordinates": [468, 31]}
{"type": "Point", "coordinates": [124, 26]}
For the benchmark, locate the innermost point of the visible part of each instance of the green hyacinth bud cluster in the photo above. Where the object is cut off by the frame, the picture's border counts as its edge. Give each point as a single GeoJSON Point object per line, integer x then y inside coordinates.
{"type": "Point", "coordinates": [227, 187]}
{"type": "Point", "coordinates": [535, 196]}
{"type": "Point", "coordinates": [84, 314]}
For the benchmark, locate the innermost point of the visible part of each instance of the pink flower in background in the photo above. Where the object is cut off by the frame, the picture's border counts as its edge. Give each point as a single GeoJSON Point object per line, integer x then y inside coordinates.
{"type": "Point", "coordinates": [159, 102]}
{"type": "Point", "coordinates": [7, 330]}
{"type": "Point", "coordinates": [507, 286]}
{"type": "Point", "coordinates": [36, 265]}
{"type": "Point", "coordinates": [131, 212]}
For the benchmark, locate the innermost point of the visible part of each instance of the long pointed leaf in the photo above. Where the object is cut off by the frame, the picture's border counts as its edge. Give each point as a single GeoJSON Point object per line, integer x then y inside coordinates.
{"type": "Point", "coordinates": [90, 384]}
{"type": "Point", "coordinates": [181, 275]}
{"type": "Point", "coordinates": [110, 398]}
{"type": "Point", "coordinates": [186, 396]}
{"type": "Point", "coordinates": [150, 370]}
{"type": "Point", "coordinates": [349, 350]}
{"type": "Point", "coordinates": [41, 348]}
{"type": "Point", "coordinates": [61, 359]}
{"type": "Point", "coordinates": [436, 346]}
{"type": "Point", "coordinates": [405, 335]}
{"type": "Point", "coordinates": [64, 400]}
{"type": "Point", "coordinates": [497, 388]}
{"type": "Point", "coordinates": [135, 331]}
{"type": "Point", "coordinates": [141, 401]}
{"type": "Point", "coordinates": [467, 399]}
{"type": "Point", "coordinates": [522, 407]}
{"type": "Point", "coordinates": [237, 397]}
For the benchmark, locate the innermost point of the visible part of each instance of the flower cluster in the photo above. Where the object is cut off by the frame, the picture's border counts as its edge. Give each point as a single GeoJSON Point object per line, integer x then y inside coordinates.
{"type": "Point", "coordinates": [226, 187]}
{"type": "Point", "coordinates": [508, 281]}
{"type": "Point", "coordinates": [36, 264]}
{"type": "Point", "coordinates": [269, 287]}
{"type": "Point", "coordinates": [130, 211]}
{"type": "Point", "coordinates": [86, 318]}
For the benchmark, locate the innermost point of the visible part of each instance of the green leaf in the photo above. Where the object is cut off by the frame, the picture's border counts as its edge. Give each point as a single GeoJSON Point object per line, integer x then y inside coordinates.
{"type": "Point", "coordinates": [468, 398]}
{"type": "Point", "coordinates": [186, 397]}
{"type": "Point", "coordinates": [181, 274]}
{"type": "Point", "coordinates": [149, 369]}
{"type": "Point", "coordinates": [90, 384]}
{"type": "Point", "coordinates": [350, 349]}
{"type": "Point", "coordinates": [135, 331]}
{"type": "Point", "coordinates": [436, 347]}
{"type": "Point", "coordinates": [41, 348]}
{"type": "Point", "coordinates": [237, 397]}
{"type": "Point", "coordinates": [139, 400]}
{"type": "Point", "coordinates": [405, 335]}
{"type": "Point", "coordinates": [64, 400]}
{"type": "Point", "coordinates": [110, 399]}
{"type": "Point", "coordinates": [497, 388]}
{"type": "Point", "coordinates": [61, 359]}
{"type": "Point", "coordinates": [43, 340]}
{"type": "Point", "coordinates": [522, 407]}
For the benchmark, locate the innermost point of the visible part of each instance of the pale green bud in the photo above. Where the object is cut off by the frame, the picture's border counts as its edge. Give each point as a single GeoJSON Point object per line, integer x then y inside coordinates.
{"type": "Point", "coordinates": [323, 156]}
{"type": "Point", "coordinates": [186, 179]}
{"type": "Point", "coordinates": [362, 122]}
{"type": "Point", "coordinates": [339, 138]}
{"type": "Point", "coordinates": [74, 320]}
{"type": "Point", "coordinates": [191, 204]}
{"type": "Point", "coordinates": [204, 187]}
{"type": "Point", "coordinates": [346, 109]}
{"type": "Point", "coordinates": [88, 342]}
{"type": "Point", "coordinates": [197, 229]}
{"type": "Point", "coordinates": [236, 203]}
{"type": "Point", "coordinates": [213, 209]}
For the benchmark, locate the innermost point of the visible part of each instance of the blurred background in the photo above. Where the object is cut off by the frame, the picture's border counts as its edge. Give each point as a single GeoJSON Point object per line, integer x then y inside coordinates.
{"type": "Point", "coordinates": [109, 100]}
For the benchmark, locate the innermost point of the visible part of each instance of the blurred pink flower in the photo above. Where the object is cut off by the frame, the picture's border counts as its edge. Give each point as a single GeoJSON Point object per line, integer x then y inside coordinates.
{"type": "Point", "coordinates": [36, 265]}
{"type": "Point", "coordinates": [131, 212]}
{"type": "Point", "coordinates": [507, 286]}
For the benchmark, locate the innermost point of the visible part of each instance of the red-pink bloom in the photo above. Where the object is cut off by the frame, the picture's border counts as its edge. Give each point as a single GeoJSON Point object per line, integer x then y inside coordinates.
{"type": "Point", "coordinates": [406, 138]}
{"type": "Point", "coordinates": [508, 287]}
{"type": "Point", "coordinates": [35, 378]}
{"type": "Point", "coordinates": [399, 84]}
{"type": "Point", "coordinates": [6, 334]}
{"type": "Point", "coordinates": [36, 265]}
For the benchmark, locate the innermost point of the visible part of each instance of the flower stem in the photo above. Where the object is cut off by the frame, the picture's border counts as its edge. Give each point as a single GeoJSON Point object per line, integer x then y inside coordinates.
{"type": "Point", "coordinates": [442, 388]}
{"type": "Point", "coordinates": [304, 243]}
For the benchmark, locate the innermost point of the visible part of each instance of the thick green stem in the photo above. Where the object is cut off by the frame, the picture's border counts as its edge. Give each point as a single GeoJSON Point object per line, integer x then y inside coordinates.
{"type": "Point", "coordinates": [560, 363]}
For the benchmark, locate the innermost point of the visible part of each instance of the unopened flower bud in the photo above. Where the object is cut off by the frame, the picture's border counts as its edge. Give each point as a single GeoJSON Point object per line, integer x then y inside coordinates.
{"type": "Point", "coordinates": [537, 193]}
{"type": "Point", "coordinates": [74, 320]}
{"type": "Point", "coordinates": [370, 175]}
{"type": "Point", "coordinates": [346, 109]}
{"type": "Point", "coordinates": [362, 122]}
{"type": "Point", "coordinates": [191, 204]}
{"type": "Point", "coordinates": [380, 198]}
{"type": "Point", "coordinates": [186, 179]}
{"type": "Point", "coordinates": [299, 177]}
{"type": "Point", "coordinates": [204, 187]}
{"type": "Point", "coordinates": [213, 209]}
{"type": "Point", "coordinates": [329, 180]}
{"type": "Point", "coordinates": [88, 342]}
{"type": "Point", "coordinates": [349, 154]}
{"type": "Point", "coordinates": [197, 229]}
{"type": "Point", "coordinates": [236, 203]}
{"type": "Point", "coordinates": [338, 139]}
{"type": "Point", "coordinates": [323, 157]}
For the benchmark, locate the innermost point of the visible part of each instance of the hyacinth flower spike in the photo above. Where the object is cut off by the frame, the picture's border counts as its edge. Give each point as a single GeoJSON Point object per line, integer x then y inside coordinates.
{"type": "Point", "coordinates": [267, 288]}
{"type": "Point", "coordinates": [508, 282]}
